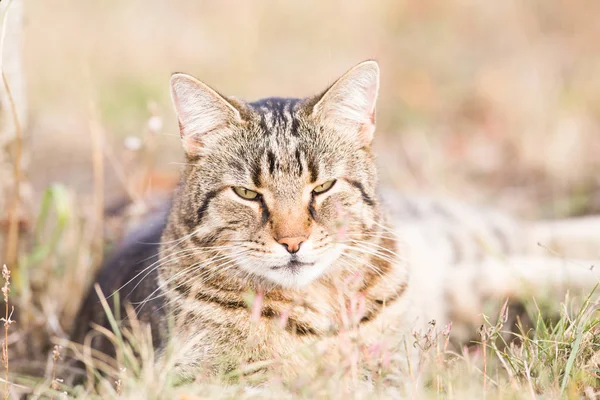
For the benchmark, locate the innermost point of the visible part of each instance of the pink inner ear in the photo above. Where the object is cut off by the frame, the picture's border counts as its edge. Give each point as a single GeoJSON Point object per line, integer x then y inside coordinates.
{"type": "Point", "coordinates": [365, 134]}
{"type": "Point", "coordinates": [372, 93]}
{"type": "Point", "coordinates": [365, 89]}
{"type": "Point", "coordinates": [367, 129]}
{"type": "Point", "coordinates": [180, 128]}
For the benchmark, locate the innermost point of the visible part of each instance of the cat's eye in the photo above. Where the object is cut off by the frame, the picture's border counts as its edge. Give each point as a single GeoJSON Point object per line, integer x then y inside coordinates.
{"type": "Point", "coordinates": [322, 188]}
{"type": "Point", "coordinates": [246, 194]}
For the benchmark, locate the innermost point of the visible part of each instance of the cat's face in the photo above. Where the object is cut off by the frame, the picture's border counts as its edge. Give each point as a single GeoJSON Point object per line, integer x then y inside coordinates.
{"type": "Point", "coordinates": [279, 187]}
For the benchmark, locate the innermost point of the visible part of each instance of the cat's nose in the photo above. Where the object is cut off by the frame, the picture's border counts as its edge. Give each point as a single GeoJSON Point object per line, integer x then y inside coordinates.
{"type": "Point", "coordinates": [292, 243]}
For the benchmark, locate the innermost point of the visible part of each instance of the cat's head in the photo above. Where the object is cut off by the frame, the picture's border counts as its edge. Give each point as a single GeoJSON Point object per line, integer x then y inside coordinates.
{"type": "Point", "coordinates": [279, 186]}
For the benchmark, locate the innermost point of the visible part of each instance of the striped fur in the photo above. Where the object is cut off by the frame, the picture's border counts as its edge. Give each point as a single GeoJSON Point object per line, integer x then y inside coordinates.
{"type": "Point", "coordinates": [282, 149]}
{"type": "Point", "coordinates": [238, 296]}
{"type": "Point", "coordinates": [429, 266]}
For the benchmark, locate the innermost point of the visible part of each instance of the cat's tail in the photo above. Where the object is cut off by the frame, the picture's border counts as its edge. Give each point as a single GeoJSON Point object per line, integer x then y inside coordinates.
{"type": "Point", "coordinates": [483, 257]}
{"type": "Point", "coordinates": [559, 257]}
{"type": "Point", "coordinates": [574, 237]}
{"type": "Point", "coordinates": [520, 279]}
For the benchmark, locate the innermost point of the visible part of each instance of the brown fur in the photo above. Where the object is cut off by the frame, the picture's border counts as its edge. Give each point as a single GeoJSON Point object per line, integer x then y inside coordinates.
{"type": "Point", "coordinates": [280, 148]}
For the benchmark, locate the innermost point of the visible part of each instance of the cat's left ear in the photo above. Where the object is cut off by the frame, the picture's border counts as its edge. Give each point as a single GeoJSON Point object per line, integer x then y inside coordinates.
{"type": "Point", "coordinates": [348, 106]}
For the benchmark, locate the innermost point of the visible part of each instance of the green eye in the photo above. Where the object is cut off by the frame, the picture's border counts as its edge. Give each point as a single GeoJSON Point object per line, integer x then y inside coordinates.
{"type": "Point", "coordinates": [322, 188]}
{"type": "Point", "coordinates": [246, 194]}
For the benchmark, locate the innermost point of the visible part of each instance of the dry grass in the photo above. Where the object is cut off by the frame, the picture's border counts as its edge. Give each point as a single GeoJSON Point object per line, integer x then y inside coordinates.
{"type": "Point", "coordinates": [8, 312]}
{"type": "Point", "coordinates": [483, 100]}
{"type": "Point", "coordinates": [12, 236]}
{"type": "Point", "coordinates": [553, 360]}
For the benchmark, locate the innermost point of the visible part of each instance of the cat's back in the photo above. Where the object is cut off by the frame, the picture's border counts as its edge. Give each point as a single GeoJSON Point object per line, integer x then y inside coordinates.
{"type": "Point", "coordinates": [129, 272]}
{"type": "Point", "coordinates": [455, 231]}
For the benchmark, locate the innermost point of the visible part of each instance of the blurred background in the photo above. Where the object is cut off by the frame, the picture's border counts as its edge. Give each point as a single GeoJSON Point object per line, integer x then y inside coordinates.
{"type": "Point", "coordinates": [493, 102]}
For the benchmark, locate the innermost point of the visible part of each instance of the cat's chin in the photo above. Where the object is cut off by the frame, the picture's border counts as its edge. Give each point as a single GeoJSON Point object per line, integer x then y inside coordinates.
{"type": "Point", "coordinates": [295, 275]}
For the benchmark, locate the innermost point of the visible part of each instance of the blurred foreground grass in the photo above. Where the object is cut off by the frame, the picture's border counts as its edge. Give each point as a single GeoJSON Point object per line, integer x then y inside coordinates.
{"type": "Point", "coordinates": [557, 357]}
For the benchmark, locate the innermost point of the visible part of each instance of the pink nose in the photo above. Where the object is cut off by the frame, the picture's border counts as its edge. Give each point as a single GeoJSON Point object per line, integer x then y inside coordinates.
{"type": "Point", "coordinates": [292, 244]}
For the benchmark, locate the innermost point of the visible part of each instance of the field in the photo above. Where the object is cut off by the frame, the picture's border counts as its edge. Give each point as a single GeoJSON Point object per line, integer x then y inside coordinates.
{"type": "Point", "coordinates": [496, 103]}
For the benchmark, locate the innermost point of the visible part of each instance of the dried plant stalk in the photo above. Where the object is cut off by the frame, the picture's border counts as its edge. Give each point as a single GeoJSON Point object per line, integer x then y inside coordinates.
{"type": "Point", "coordinates": [7, 322]}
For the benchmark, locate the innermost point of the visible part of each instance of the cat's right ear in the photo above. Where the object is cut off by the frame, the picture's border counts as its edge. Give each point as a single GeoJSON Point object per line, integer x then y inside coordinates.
{"type": "Point", "coordinates": [201, 112]}
{"type": "Point", "coordinates": [348, 106]}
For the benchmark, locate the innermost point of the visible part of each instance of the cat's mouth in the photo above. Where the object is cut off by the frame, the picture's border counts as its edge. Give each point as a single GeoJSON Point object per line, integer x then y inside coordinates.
{"type": "Point", "coordinates": [293, 265]}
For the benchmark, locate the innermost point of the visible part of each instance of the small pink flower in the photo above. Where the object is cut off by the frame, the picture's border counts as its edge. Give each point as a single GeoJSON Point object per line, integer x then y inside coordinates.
{"type": "Point", "coordinates": [341, 233]}
{"type": "Point", "coordinates": [361, 309]}
{"type": "Point", "coordinates": [355, 277]}
{"type": "Point", "coordinates": [257, 306]}
{"type": "Point", "coordinates": [447, 329]}
{"type": "Point", "coordinates": [386, 359]}
{"type": "Point", "coordinates": [283, 319]}
{"type": "Point", "coordinates": [374, 349]}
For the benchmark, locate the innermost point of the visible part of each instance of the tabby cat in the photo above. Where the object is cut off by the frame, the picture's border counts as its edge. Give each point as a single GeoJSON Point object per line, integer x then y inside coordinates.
{"type": "Point", "coordinates": [277, 237]}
